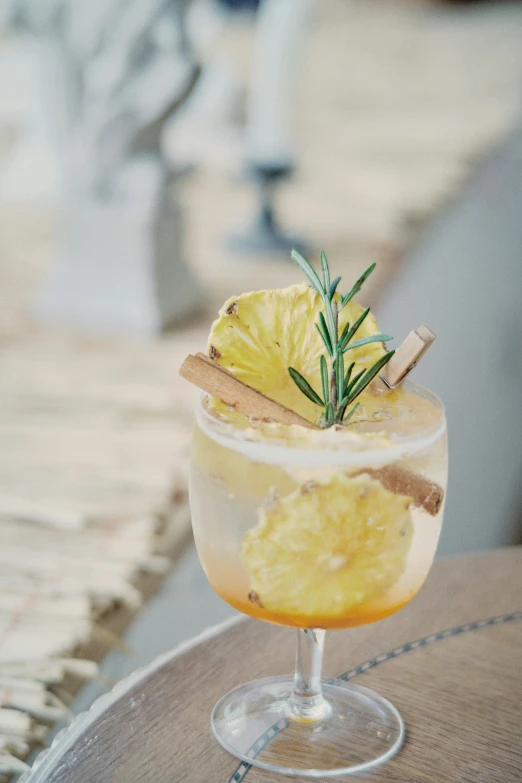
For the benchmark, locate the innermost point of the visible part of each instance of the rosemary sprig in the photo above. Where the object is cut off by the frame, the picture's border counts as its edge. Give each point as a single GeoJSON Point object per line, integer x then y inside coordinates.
{"type": "Point", "coordinates": [339, 388]}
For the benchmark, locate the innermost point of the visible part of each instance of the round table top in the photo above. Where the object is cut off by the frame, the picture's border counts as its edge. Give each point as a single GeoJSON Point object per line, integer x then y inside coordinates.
{"type": "Point", "coordinates": [450, 662]}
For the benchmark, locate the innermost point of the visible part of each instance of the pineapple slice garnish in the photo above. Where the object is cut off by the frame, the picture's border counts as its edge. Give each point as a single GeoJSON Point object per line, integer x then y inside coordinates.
{"type": "Point", "coordinates": [259, 335]}
{"type": "Point", "coordinates": [328, 547]}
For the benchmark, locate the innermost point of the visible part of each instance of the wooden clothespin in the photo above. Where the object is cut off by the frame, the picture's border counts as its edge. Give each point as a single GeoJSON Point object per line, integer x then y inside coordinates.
{"type": "Point", "coordinates": [407, 356]}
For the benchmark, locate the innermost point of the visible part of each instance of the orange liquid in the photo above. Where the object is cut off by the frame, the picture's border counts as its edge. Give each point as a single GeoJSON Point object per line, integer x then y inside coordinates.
{"type": "Point", "coordinates": [230, 582]}
{"type": "Point", "coordinates": [358, 616]}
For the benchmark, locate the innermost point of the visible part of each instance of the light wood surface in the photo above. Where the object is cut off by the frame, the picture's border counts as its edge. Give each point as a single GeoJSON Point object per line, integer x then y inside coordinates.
{"type": "Point", "coordinates": [459, 690]}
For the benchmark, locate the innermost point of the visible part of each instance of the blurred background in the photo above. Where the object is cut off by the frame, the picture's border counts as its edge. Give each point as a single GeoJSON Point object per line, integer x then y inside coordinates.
{"type": "Point", "coordinates": [159, 156]}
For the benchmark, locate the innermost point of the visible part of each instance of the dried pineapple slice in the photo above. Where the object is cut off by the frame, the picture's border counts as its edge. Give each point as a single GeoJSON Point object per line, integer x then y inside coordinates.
{"type": "Point", "coordinates": [259, 335]}
{"type": "Point", "coordinates": [327, 548]}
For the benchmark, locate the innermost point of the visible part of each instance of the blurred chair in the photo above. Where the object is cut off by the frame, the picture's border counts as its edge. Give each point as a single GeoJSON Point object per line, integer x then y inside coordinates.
{"type": "Point", "coordinates": [111, 72]}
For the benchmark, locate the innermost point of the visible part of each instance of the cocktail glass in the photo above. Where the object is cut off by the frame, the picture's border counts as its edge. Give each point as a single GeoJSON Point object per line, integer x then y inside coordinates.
{"type": "Point", "coordinates": [304, 724]}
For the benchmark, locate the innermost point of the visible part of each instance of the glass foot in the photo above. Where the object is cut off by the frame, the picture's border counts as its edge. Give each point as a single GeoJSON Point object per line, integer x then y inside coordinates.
{"type": "Point", "coordinates": [360, 730]}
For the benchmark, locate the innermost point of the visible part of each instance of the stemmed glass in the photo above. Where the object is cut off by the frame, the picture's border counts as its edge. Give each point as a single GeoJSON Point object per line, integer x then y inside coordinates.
{"type": "Point", "coordinates": [331, 530]}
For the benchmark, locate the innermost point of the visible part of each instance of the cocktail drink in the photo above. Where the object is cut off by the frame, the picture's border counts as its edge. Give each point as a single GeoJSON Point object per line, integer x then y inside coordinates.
{"type": "Point", "coordinates": [315, 528]}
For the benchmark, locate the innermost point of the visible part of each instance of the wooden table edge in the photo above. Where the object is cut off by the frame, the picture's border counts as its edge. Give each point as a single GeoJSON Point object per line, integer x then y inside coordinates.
{"type": "Point", "coordinates": [68, 736]}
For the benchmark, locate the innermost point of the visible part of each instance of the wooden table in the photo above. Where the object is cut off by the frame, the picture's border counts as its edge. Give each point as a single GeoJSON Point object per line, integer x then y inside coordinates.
{"type": "Point", "coordinates": [450, 662]}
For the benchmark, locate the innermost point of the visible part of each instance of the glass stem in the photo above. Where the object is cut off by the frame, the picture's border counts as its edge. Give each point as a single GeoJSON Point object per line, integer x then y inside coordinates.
{"type": "Point", "coordinates": [307, 702]}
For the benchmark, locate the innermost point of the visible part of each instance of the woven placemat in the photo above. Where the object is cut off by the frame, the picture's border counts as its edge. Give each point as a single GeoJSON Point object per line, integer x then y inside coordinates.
{"type": "Point", "coordinates": [93, 501]}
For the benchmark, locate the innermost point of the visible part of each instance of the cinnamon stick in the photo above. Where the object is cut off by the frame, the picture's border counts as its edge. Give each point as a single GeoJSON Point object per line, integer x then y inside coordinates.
{"type": "Point", "coordinates": [426, 494]}
{"type": "Point", "coordinates": [215, 380]}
